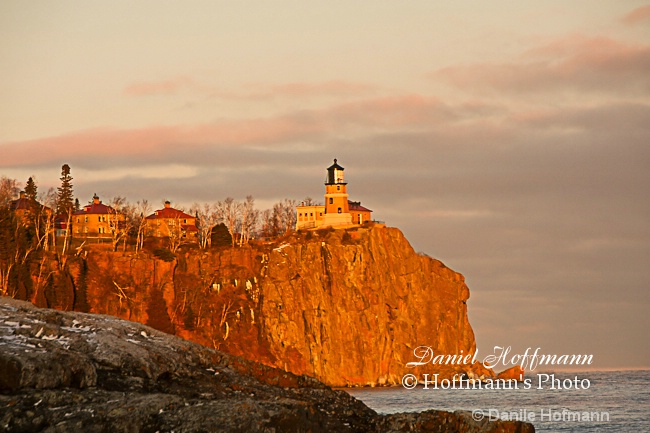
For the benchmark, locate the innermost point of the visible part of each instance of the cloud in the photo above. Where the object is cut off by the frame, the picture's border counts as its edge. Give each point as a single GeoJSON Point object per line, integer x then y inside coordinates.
{"type": "Point", "coordinates": [576, 63]}
{"type": "Point", "coordinates": [151, 88]}
{"type": "Point", "coordinates": [637, 16]}
{"type": "Point", "coordinates": [543, 210]}
{"type": "Point", "coordinates": [298, 90]}
{"type": "Point", "coordinates": [328, 88]}
{"type": "Point", "coordinates": [203, 144]}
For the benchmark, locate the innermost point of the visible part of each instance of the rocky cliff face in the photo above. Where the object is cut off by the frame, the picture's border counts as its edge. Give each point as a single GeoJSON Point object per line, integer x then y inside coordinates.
{"type": "Point", "coordinates": [344, 306]}
{"type": "Point", "coordinates": [73, 372]}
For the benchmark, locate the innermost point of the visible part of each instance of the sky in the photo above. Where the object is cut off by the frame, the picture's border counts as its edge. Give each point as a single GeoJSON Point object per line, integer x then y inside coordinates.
{"type": "Point", "coordinates": [510, 140]}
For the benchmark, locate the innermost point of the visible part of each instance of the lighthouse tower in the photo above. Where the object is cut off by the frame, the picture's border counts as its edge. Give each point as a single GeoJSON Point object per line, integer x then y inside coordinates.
{"type": "Point", "coordinates": [337, 210]}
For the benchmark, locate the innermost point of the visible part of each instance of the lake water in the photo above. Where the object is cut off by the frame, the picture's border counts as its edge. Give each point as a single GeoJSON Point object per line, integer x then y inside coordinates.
{"type": "Point", "coordinates": [621, 396]}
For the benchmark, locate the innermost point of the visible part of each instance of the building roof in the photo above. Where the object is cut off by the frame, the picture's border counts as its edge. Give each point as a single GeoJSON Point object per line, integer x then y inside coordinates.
{"type": "Point", "coordinates": [24, 203]}
{"type": "Point", "coordinates": [95, 208]}
{"type": "Point", "coordinates": [356, 206]}
{"type": "Point", "coordinates": [168, 212]}
{"type": "Point", "coordinates": [335, 166]}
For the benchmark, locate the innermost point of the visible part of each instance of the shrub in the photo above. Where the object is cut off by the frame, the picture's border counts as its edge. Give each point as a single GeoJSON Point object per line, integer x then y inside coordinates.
{"type": "Point", "coordinates": [164, 254]}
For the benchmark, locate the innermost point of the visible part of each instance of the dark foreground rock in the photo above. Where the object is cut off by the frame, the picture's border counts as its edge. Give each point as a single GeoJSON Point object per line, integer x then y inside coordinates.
{"type": "Point", "coordinates": [74, 372]}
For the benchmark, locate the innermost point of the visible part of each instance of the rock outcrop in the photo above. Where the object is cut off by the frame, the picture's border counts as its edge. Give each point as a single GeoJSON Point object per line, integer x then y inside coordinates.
{"type": "Point", "coordinates": [347, 307]}
{"type": "Point", "coordinates": [73, 372]}
{"type": "Point", "coordinates": [516, 373]}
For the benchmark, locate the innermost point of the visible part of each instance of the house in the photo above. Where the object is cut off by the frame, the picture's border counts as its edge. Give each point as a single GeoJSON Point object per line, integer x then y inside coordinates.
{"type": "Point", "coordinates": [27, 208]}
{"type": "Point", "coordinates": [338, 210]}
{"type": "Point", "coordinates": [170, 222]}
{"type": "Point", "coordinates": [359, 213]}
{"type": "Point", "coordinates": [95, 220]}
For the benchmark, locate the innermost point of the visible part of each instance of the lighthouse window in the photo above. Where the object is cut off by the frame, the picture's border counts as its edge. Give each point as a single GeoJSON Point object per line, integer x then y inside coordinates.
{"type": "Point", "coordinates": [331, 200]}
{"type": "Point", "coordinates": [338, 187]}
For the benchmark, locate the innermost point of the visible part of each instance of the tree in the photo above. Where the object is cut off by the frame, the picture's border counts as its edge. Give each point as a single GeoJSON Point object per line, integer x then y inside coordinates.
{"type": "Point", "coordinates": [221, 236]}
{"type": "Point", "coordinates": [142, 209]}
{"type": "Point", "coordinates": [65, 200]}
{"type": "Point", "coordinates": [44, 220]}
{"type": "Point", "coordinates": [284, 216]}
{"type": "Point", "coordinates": [31, 190]}
{"type": "Point", "coordinates": [9, 189]}
{"type": "Point", "coordinates": [267, 230]}
{"type": "Point", "coordinates": [119, 220]}
{"type": "Point", "coordinates": [250, 217]}
{"type": "Point", "coordinates": [228, 211]}
{"type": "Point", "coordinates": [207, 218]}
{"type": "Point", "coordinates": [16, 244]}
{"type": "Point", "coordinates": [176, 235]}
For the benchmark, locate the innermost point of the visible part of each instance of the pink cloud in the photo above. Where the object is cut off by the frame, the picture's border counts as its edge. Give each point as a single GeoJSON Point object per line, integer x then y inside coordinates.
{"type": "Point", "coordinates": [638, 15]}
{"type": "Point", "coordinates": [576, 62]}
{"type": "Point", "coordinates": [200, 143]}
{"type": "Point", "coordinates": [331, 88]}
{"type": "Point", "coordinates": [148, 88]}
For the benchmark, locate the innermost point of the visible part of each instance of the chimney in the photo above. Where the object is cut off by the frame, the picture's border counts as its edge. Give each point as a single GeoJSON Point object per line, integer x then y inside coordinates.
{"type": "Point", "coordinates": [22, 194]}
{"type": "Point", "coordinates": [96, 199]}
{"type": "Point", "coordinates": [167, 204]}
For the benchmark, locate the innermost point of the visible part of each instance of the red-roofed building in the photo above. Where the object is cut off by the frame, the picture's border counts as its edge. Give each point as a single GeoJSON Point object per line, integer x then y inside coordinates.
{"type": "Point", "coordinates": [27, 208]}
{"type": "Point", "coordinates": [359, 213]}
{"type": "Point", "coordinates": [95, 220]}
{"type": "Point", "coordinates": [170, 222]}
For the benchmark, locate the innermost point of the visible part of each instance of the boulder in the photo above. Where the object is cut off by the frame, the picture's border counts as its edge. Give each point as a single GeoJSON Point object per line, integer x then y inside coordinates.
{"type": "Point", "coordinates": [75, 372]}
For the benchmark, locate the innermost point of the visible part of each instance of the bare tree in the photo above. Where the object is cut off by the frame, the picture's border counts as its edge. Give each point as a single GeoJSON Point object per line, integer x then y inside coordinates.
{"type": "Point", "coordinates": [142, 209]}
{"type": "Point", "coordinates": [44, 219]}
{"type": "Point", "coordinates": [176, 235]}
{"type": "Point", "coordinates": [229, 212]}
{"type": "Point", "coordinates": [266, 223]}
{"type": "Point", "coordinates": [15, 249]}
{"type": "Point", "coordinates": [118, 223]}
{"type": "Point", "coordinates": [284, 216]}
{"type": "Point", "coordinates": [9, 189]}
{"type": "Point", "coordinates": [207, 218]}
{"type": "Point", "coordinates": [66, 237]}
{"type": "Point", "coordinates": [249, 219]}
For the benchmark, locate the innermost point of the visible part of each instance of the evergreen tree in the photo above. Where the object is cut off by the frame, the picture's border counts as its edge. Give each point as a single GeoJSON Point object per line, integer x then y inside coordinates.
{"type": "Point", "coordinates": [64, 200]}
{"type": "Point", "coordinates": [221, 237]}
{"type": "Point", "coordinates": [31, 190]}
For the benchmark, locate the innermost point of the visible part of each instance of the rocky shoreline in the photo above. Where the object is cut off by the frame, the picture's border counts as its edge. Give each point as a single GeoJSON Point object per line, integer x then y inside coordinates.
{"type": "Point", "coordinates": [75, 372]}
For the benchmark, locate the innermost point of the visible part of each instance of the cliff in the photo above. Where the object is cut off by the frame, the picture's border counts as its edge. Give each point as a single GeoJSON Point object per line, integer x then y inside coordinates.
{"type": "Point", "coordinates": [75, 372]}
{"type": "Point", "coordinates": [344, 306]}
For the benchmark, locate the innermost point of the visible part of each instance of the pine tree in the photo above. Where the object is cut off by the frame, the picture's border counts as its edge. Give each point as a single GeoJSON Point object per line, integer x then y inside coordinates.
{"type": "Point", "coordinates": [64, 200]}
{"type": "Point", "coordinates": [31, 190]}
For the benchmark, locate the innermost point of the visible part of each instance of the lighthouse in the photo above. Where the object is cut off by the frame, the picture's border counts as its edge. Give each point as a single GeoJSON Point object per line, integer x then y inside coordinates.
{"type": "Point", "coordinates": [337, 210]}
